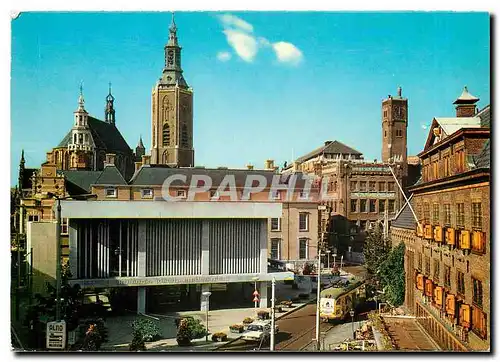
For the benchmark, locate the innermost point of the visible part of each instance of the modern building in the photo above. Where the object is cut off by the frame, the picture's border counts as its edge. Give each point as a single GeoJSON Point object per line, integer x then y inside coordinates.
{"type": "Point", "coordinates": [447, 261]}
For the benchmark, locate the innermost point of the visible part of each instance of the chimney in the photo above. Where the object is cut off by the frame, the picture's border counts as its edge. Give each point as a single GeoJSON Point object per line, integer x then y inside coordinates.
{"type": "Point", "coordinates": [328, 142]}
{"type": "Point", "coordinates": [269, 165]}
{"type": "Point", "coordinates": [249, 167]}
{"type": "Point", "coordinates": [110, 159]}
{"type": "Point", "coordinates": [146, 159]}
{"type": "Point", "coordinates": [138, 165]}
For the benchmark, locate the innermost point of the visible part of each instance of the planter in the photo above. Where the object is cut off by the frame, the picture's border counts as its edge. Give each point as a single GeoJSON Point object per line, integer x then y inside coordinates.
{"type": "Point", "coordinates": [219, 337]}
{"type": "Point", "coordinates": [247, 320]}
{"type": "Point", "coordinates": [263, 315]}
{"type": "Point", "coordinates": [237, 329]}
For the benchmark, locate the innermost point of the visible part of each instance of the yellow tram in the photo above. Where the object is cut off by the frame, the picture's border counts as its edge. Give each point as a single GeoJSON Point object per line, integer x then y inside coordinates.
{"type": "Point", "coordinates": [337, 301]}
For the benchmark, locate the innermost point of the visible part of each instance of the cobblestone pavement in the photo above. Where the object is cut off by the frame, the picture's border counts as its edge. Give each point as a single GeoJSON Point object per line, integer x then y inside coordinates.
{"type": "Point", "coordinates": [407, 335]}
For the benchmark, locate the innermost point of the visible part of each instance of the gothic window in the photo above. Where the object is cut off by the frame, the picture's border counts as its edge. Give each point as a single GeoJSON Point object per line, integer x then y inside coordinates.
{"type": "Point", "coordinates": [154, 135]}
{"type": "Point", "coordinates": [184, 137]}
{"type": "Point", "coordinates": [166, 135]}
{"type": "Point", "coordinates": [74, 138]}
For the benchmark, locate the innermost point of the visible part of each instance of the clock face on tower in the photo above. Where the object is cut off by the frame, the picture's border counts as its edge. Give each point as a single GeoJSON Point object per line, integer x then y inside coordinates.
{"type": "Point", "coordinates": [170, 59]}
{"type": "Point", "coordinates": [399, 112]}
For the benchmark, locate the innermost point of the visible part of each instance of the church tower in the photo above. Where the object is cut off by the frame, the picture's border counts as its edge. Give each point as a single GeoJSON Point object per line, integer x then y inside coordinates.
{"type": "Point", "coordinates": [172, 111]}
{"type": "Point", "coordinates": [109, 111]}
{"type": "Point", "coordinates": [394, 129]}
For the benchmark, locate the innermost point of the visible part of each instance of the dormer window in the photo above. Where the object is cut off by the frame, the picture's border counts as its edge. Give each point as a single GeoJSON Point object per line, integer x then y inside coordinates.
{"type": "Point", "coordinates": [111, 192]}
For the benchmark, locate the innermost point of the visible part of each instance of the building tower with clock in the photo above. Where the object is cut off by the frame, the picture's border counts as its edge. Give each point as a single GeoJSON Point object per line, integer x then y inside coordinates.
{"type": "Point", "coordinates": [172, 111]}
{"type": "Point", "coordinates": [394, 130]}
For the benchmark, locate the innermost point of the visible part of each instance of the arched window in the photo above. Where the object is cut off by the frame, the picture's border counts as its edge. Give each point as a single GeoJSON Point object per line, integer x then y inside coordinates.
{"type": "Point", "coordinates": [166, 135]}
{"type": "Point", "coordinates": [184, 137]}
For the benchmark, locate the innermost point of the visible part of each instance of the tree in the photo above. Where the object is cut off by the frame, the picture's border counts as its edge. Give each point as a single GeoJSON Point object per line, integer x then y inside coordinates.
{"type": "Point", "coordinates": [376, 249]}
{"type": "Point", "coordinates": [392, 275]}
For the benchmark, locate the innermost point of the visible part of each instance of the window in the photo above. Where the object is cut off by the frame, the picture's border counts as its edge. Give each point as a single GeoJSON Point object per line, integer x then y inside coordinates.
{"type": "Point", "coordinates": [479, 322]}
{"type": "Point", "coordinates": [390, 186]}
{"type": "Point", "coordinates": [362, 186]}
{"type": "Point", "coordinates": [362, 205]}
{"type": "Point", "coordinates": [385, 113]}
{"type": "Point", "coordinates": [446, 165]}
{"type": "Point", "coordinates": [111, 192]}
{"type": "Point", "coordinates": [427, 270]}
{"type": "Point", "coordinates": [354, 185]}
{"type": "Point", "coordinates": [64, 226]}
{"type": "Point", "coordinates": [275, 224]}
{"type": "Point", "coordinates": [381, 205]}
{"type": "Point", "coordinates": [275, 248]}
{"type": "Point", "coordinates": [335, 206]}
{"type": "Point", "coordinates": [399, 133]}
{"type": "Point", "coordinates": [147, 193]}
{"type": "Point", "coordinates": [372, 185]}
{"type": "Point", "coordinates": [33, 217]}
{"type": "Point", "coordinates": [447, 214]}
{"type": "Point", "coordinates": [381, 186]}
{"type": "Point", "coordinates": [435, 170]}
{"type": "Point", "coordinates": [435, 214]}
{"type": "Point", "coordinates": [303, 221]}
{"type": "Point", "coordinates": [392, 206]}
{"type": "Point", "coordinates": [447, 276]}
{"type": "Point", "coordinates": [436, 271]}
{"type": "Point", "coordinates": [362, 225]}
{"type": "Point", "coordinates": [460, 283]}
{"type": "Point", "coordinates": [460, 215]}
{"type": "Point", "coordinates": [476, 216]}
{"type": "Point", "coordinates": [303, 248]}
{"type": "Point", "coordinates": [459, 161]}
{"type": "Point", "coordinates": [181, 193]}
{"type": "Point", "coordinates": [426, 214]}
{"type": "Point", "coordinates": [372, 206]}
{"type": "Point", "coordinates": [385, 132]}
{"type": "Point", "coordinates": [477, 292]}
{"type": "Point", "coordinates": [419, 261]}
{"type": "Point", "coordinates": [354, 203]}
{"type": "Point", "coordinates": [184, 137]}
{"type": "Point", "coordinates": [166, 135]}
{"type": "Point", "coordinates": [335, 186]}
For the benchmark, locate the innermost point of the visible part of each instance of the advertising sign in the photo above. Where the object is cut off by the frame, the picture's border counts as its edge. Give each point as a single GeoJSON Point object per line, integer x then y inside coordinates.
{"type": "Point", "coordinates": [56, 335]}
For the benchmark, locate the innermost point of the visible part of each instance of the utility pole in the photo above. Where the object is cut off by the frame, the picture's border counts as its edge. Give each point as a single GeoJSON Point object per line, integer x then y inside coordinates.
{"type": "Point", "coordinates": [273, 327]}
{"type": "Point", "coordinates": [318, 298]}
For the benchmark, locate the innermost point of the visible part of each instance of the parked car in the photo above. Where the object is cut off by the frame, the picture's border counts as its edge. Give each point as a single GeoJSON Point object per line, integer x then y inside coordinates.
{"type": "Point", "coordinates": [259, 330]}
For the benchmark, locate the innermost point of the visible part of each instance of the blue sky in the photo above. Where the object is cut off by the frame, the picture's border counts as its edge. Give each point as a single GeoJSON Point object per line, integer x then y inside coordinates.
{"type": "Point", "coordinates": [267, 84]}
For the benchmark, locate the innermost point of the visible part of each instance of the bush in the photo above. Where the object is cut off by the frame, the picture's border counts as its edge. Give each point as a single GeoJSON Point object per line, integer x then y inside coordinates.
{"type": "Point", "coordinates": [95, 335]}
{"type": "Point", "coordinates": [219, 337]}
{"type": "Point", "coordinates": [137, 343]}
{"type": "Point", "coordinates": [147, 328]}
{"type": "Point", "coordinates": [195, 328]}
{"type": "Point", "coordinates": [183, 336]}
{"type": "Point", "coordinates": [247, 320]}
{"type": "Point", "coordinates": [287, 303]}
{"type": "Point", "coordinates": [238, 328]}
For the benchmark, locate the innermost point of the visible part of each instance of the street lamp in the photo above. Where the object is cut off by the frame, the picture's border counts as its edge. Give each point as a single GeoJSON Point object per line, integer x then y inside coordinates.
{"type": "Point", "coordinates": [58, 245]}
{"type": "Point", "coordinates": [334, 255]}
{"type": "Point", "coordinates": [352, 324]}
{"type": "Point", "coordinates": [273, 328]}
{"type": "Point", "coordinates": [207, 299]}
{"type": "Point", "coordinates": [328, 258]}
{"type": "Point", "coordinates": [318, 297]}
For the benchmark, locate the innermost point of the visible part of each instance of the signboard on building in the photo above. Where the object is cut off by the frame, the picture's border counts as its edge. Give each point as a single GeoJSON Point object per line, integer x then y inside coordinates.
{"type": "Point", "coordinates": [56, 335]}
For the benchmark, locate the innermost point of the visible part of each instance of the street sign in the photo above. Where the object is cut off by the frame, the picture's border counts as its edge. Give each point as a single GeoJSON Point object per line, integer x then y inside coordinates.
{"type": "Point", "coordinates": [56, 335]}
{"type": "Point", "coordinates": [255, 293]}
{"type": "Point", "coordinates": [255, 300]}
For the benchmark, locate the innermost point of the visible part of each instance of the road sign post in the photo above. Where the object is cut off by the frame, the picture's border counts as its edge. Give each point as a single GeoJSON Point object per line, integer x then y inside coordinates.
{"type": "Point", "coordinates": [56, 335]}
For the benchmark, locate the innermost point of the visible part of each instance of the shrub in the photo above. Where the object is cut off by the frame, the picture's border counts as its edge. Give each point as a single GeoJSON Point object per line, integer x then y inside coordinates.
{"type": "Point", "coordinates": [147, 328]}
{"type": "Point", "coordinates": [263, 314]}
{"type": "Point", "coordinates": [287, 303]}
{"type": "Point", "coordinates": [183, 336]}
{"type": "Point", "coordinates": [219, 337]}
{"type": "Point", "coordinates": [247, 320]}
{"type": "Point", "coordinates": [195, 328]}
{"type": "Point", "coordinates": [137, 343]}
{"type": "Point", "coordinates": [95, 334]}
{"type": "Point", "coordinates": [178, 320]}
{"type": "Point", "coordinates": [237, 328]}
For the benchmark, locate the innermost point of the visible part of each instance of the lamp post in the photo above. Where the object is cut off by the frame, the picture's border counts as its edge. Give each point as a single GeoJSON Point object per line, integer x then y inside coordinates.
{"type": "Point", "coordinates": [207, 299]}
{"type": "Point", "coordinates": [334, 255]}
{"type": "Point", "coordinates": [352, 324]}
{"type": "Point", "coordinates": [318, 297]}
{"type": "Point", "coordinates": [328, 258]}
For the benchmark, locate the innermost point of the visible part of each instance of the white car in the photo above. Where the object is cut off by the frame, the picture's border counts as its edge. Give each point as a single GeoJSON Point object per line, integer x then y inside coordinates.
{"type": "Point", "coordinates": [258, 330]}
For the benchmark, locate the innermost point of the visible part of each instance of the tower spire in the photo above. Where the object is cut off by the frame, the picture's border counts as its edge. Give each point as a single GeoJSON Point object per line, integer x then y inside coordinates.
{"type": "Point", "coordinates": [81, 100]}
{"type": "Point", "coordinates": [109, 110]}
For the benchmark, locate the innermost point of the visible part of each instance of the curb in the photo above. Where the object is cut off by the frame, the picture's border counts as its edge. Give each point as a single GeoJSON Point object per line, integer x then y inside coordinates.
{"type": "Point", "coordinates": [278, 318]}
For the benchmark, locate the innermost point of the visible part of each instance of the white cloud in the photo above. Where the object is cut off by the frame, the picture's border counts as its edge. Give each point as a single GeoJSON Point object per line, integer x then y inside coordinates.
{"type": "Point", "coordinates": [264, 41]}
{"type": "Point", "coordinates": [229, 21]}
{"type": "Point", "coordinates": [223, 56]}
{"type": "Point", "coordinates": [287, 52]}
{"type": "Point", "coordinates": [243, 44]}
